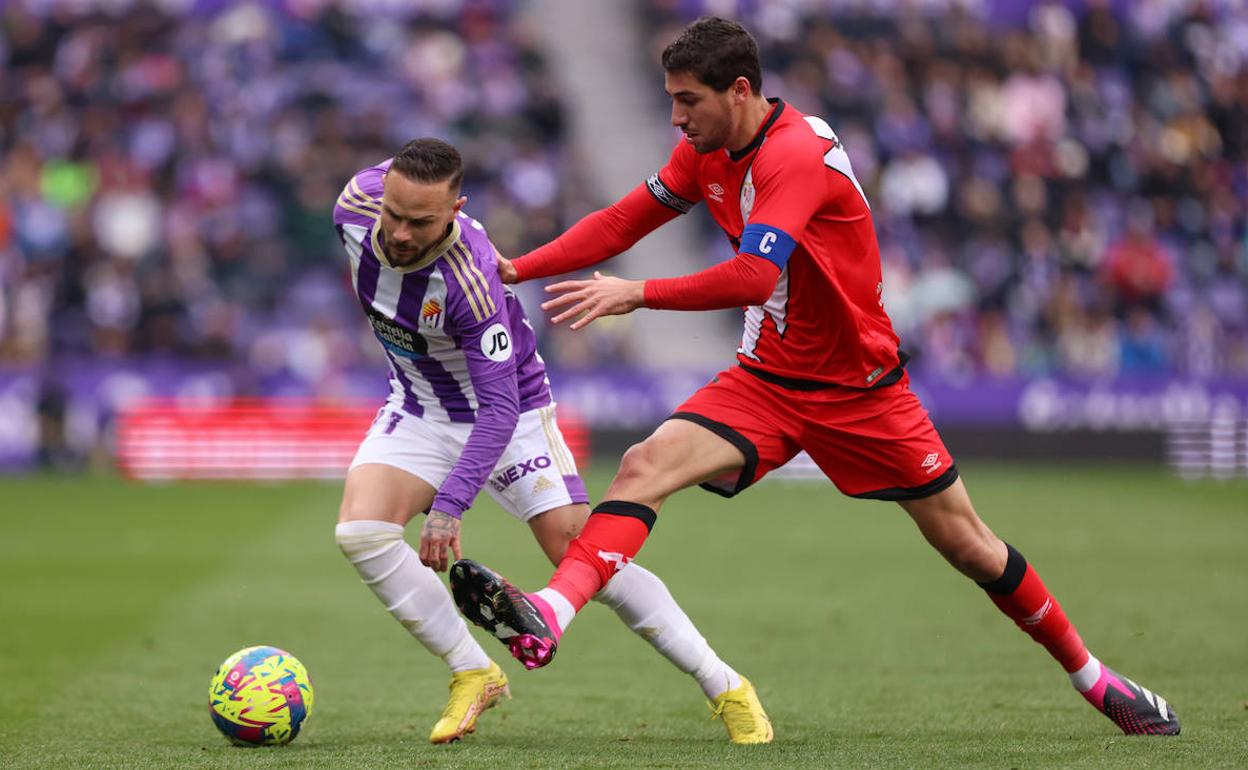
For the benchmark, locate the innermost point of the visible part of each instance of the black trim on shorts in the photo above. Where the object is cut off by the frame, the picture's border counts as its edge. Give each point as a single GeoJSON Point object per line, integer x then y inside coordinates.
{"type": "Point", "coordinates": [794, 383]}
{"type": "Point", "coordinates": [729, 434]}
{"type": "Point", "coordinates": [1015, 569]}
{"type": "Point", "coordinates": [938, 484]}
{"type": "Point", "coordinates": [633, 510]}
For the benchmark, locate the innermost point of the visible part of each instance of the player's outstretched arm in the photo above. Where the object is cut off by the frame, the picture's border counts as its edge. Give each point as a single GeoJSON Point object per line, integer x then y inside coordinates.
{"type": "Point", "coordinates": [744, 280]}
{"type": "Point", "coordinates": [595, 238]}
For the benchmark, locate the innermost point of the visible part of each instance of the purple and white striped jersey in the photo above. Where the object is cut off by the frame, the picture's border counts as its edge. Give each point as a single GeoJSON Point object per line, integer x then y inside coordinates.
{"type": "Point", "coordinates": [457, 340]}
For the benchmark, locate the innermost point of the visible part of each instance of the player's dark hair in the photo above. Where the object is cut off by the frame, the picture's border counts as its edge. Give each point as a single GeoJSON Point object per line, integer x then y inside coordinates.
{"type": "Point", "coordinates": [717, 51]}
{"type": "Point", "coordinates": [429, 160]}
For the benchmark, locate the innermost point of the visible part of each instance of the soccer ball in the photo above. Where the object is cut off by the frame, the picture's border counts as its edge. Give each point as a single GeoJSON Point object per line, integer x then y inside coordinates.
{"type": "Point", "coordinates": [260, 696]}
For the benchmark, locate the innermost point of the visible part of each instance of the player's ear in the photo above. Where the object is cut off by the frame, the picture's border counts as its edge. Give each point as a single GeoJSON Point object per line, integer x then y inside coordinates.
{"type": "Point", "coordinates": [741, 90]}
{"type": "Point", "coordinates": [459, 204]}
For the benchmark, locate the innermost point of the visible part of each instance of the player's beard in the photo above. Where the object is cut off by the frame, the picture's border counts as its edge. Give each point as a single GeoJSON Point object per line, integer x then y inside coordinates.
{"type": "Point", "coordinates": [403, 258]}
{"type": "Point", "coordinates": [711, 137]}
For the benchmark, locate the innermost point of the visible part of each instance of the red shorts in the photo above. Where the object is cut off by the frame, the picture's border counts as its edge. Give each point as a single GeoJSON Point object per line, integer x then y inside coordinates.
{"type": "Point", "coordinates": [877, 443]}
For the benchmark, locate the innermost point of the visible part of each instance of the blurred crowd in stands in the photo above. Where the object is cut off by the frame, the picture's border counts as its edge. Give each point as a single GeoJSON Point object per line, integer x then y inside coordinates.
{"type": "Point", "coordinates": [1057, 186]}
{"type": "Point", "coordinates": [167, 176]}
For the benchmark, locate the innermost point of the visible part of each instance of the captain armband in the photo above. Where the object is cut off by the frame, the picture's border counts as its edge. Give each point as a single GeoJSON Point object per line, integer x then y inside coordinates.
{"type": "Point", "coordinates": [770, 243]}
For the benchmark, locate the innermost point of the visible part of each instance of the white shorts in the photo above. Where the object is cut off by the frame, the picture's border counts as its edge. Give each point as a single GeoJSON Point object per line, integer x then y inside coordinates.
{"type": "Point", "coordinates": [535, 474]}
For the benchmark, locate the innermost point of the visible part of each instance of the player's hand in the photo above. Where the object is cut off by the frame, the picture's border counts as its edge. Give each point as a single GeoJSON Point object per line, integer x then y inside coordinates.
{"type": "Point", "coordinates": [604, 295]}
{"type": "Point", "coordinates": [506, 270]}
{"type": "Point", "coordinates": [440, 530]}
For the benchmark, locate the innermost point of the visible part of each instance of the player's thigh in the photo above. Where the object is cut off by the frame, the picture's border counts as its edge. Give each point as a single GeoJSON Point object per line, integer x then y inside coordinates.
{"type": "Point", "coordinates": [398, 467]}
{"type": "Point", "coordinates": [384, 493]}
{"type": "Point", "coordinates": [554, 529]}
{"type": "Point", "coordinates": [536, 472]}
{"type": "Point", "coordinates": [877, 444]}
{"type": "Point", "coordinates": [727, 435]}
{"type": "Point", "coordinates": [679, 454]}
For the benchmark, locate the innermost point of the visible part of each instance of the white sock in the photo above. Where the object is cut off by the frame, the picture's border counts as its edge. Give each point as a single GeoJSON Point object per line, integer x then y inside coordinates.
{"type": "Point", "coordinates": [564, 611]}
{"type": "Point", "coordinates": [410, 591]}
{"type": "Point", "coordinates": [646, 606]}
{"type": "Point", "coordinates": [1086, 677]}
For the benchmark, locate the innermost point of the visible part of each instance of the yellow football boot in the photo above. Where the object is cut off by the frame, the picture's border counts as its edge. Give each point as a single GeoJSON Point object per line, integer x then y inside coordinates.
{"type": "Point", "coordinates": [743, 715]}
{"type": "Point", "coordinates": [472, 692]}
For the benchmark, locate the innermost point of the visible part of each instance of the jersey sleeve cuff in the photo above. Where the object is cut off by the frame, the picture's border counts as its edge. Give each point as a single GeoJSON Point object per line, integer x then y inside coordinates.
{"type": "Point", "coordinates": [450, 507]}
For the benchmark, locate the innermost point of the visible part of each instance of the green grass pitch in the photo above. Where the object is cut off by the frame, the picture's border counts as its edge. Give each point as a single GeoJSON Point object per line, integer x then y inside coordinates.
{"type": "Point", "coordinates": [118, 601]}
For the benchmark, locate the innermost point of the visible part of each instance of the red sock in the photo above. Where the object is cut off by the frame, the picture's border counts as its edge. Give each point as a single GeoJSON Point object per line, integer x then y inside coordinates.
{"type": "Point", "coordinates": [611, 538]}
{"type": "Point", "coordinates": [1021, 595]}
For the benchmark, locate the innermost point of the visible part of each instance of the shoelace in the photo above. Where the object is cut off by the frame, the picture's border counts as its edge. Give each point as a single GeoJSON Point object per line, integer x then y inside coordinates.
{"type": "Point", "coordinates": [738, 719]}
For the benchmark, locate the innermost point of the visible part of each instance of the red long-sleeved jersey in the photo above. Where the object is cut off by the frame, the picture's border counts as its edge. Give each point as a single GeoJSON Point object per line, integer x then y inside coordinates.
{"type": "Point", "coordinates": [808, 265]}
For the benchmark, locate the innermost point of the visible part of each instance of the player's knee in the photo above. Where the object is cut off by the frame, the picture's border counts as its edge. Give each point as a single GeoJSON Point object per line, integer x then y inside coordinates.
{"type": "Point", "coordinates": [362, 539]}
{"type": "Point", "coordinates": [357, 507]}
{"type": "Point", "coordinates": [350, 509]}
{"type": "Point", "coordinates": [640, 462]}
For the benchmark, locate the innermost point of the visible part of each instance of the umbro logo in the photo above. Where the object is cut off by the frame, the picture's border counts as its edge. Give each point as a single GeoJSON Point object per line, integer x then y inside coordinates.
{"type": "Point", "coordinates": [931, 463]}
{"type": "Point", "coordinates": [717, 192]}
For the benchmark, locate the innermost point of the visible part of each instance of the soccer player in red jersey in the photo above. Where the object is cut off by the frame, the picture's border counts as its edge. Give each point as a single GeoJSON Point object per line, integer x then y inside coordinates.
{"type": "Point", "coordinates": [819, 367]}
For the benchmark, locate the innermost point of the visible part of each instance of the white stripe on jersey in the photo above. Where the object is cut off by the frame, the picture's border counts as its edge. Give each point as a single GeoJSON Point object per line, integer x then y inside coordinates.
{"type": "Point", "coordinates": [777, 306]}
{"type": "Point", "coordinates": [441, 346]}
{"type": "Point", "coordinates": [389, 287]}
{"type": "Point", "coordinates": [419, 388]}
{"type": "Point", "coordinates": [442, 349]}
{"type": "Point", "coordinates": [354, 243]}
{"type": "Point", "coordinates": [835, 158]}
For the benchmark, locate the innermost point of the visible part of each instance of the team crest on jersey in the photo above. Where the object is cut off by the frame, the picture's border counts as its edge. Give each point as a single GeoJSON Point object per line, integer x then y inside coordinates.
{"type": "Point", "coordinates": [431, 312]}
{"type": "Point", "coordinates": [747, 195]}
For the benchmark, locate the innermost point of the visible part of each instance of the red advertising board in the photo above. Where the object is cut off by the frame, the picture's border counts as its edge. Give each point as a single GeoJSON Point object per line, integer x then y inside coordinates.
{"type": "Point", "coordinates": [256, 439]}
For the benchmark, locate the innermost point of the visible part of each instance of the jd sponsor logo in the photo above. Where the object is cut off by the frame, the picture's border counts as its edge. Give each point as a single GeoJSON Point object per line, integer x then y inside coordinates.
{"type": "Point", "coordinates": [506, 478]}
{"type": "Point", "coordinates": [496, 343]}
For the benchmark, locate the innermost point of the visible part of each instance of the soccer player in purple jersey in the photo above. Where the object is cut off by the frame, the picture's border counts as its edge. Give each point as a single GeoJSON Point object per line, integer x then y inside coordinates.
{"type": "Point", "coordinates": [470, 407]}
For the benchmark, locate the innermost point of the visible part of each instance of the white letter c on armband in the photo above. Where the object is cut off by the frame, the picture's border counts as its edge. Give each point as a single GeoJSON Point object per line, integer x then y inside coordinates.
{"type": "Point", "coordinates": [764, 243]}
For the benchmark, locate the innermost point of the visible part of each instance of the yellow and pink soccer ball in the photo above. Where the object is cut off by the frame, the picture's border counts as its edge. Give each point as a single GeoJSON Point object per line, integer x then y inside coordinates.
{"type": "Point", "coordinates": [260, 696]}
